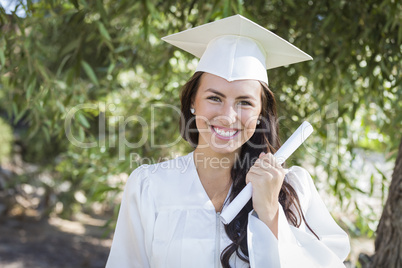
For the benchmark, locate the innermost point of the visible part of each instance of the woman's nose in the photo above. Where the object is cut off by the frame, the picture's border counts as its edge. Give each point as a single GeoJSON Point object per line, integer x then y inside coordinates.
{"type": "Point", "coordinates": [228, 115]}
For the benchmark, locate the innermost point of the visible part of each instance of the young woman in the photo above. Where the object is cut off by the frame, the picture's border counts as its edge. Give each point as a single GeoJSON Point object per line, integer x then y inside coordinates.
{"type": "Point", "coordinates": [170, 212]}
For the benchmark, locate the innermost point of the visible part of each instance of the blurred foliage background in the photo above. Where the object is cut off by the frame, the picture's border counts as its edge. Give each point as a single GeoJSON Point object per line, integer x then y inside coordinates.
{"type": "Point", "coordinates": [88, 91]}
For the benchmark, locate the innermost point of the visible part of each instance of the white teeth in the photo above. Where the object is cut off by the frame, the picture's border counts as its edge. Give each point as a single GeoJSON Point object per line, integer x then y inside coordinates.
{"type": "Point", "coordinates": [225, 133]}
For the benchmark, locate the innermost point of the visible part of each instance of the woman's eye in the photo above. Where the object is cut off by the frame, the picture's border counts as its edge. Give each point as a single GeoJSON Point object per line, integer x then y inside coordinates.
{"type": "Point", "coordinates": [245, 103]}
{"type": "Point", "coordinates": [214, 98]}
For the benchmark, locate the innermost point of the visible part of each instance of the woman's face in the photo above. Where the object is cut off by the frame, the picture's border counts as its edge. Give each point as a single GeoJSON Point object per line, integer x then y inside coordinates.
{"type": "Point", "coordinates": [226, 112]}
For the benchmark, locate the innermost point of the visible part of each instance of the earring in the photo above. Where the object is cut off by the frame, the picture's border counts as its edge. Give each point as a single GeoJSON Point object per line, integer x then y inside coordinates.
{"type": "Point", "coordinates": [258, 120]}
{"type": "Point", "coordinates": [192, 110]}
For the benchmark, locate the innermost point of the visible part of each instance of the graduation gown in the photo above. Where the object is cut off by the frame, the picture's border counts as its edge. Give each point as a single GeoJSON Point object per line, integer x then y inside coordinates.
{"type": "Point", "coordinates": [166, 219]}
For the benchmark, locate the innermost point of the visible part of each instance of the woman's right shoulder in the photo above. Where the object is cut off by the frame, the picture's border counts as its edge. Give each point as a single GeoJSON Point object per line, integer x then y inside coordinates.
{"type": "Point", "coordinates": [141, 172]}
{"type": "Point", "coordinates": [137, 180]}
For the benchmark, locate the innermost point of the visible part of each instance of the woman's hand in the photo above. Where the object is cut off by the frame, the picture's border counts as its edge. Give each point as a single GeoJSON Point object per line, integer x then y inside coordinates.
{"type": "Point", "coordinates": [266, 177]}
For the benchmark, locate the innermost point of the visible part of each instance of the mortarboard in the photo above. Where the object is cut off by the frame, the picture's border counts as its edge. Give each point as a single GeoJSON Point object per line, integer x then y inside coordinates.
{"type": "Point", "coordinates": [236, 48]}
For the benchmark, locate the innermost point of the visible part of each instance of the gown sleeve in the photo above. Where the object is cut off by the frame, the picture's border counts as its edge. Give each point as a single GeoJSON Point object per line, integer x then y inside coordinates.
{"type": "Point", "coordinates": [298, 247]}
{"type": "Point", "coordinates": [131, 244]}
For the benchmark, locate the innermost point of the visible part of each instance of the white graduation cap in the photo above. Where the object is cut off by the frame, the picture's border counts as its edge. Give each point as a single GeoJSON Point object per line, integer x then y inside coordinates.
{"type": "Point", "coordinates": [236, 48]}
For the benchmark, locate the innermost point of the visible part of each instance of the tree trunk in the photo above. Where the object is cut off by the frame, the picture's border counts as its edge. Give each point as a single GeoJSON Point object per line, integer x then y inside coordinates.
{"type": "Point", "coordinates": [388, 243]}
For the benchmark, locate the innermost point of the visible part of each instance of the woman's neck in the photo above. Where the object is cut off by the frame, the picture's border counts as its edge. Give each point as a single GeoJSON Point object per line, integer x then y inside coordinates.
{"type": "Point", "coordinates": [214, 172]}
{"type": "Point", "coordinates": [210, 162]}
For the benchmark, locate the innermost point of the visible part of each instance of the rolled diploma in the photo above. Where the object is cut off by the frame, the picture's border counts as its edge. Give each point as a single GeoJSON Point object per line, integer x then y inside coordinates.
{"type": "Point", "coordinates": [295, 140]}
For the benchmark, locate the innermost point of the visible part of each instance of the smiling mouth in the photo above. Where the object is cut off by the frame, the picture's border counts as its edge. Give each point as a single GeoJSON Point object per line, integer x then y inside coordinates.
{"type": "Point", "coordinates": [224, 134]}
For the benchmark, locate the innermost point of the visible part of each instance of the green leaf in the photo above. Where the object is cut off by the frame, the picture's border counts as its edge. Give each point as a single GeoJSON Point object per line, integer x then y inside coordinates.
{"type": "Point", "coordinates": [81, 134]}
{"type": "Point", "coordinates": [75, 3]}
{"type": "Point", "coordinates": [46, 132]}
{"type": "Point", "coordinates": [42, 70]}
{"type": "Point", "coordinates": [226, 8]}
{"type": "Point", "coordinates": [2, 57]}
{"type": "Point", "coordinates": [103, 31]}
{"type": "Point", "coordinates": [30, 88]}
{"type": "Point", "coordinates": [240, 4]}
{"type": "Point", "coordinates": [70, 46]}
{"type": "Point", "coordinates": [90, 72]}
{"type": "Point", "coordinates": [111, 68]}
{"type": "Point", "coordinates": [60, 106]}
{"type": "Point", "coordinates": [83, 120]}
{"type": "Point", "coordinates": [371, 184]}
{"type": "Point", "coordinates": [150, 7]}
{"type": "Point", "coordinates": [15, 109]}
{"type": "Point", "coordinates": [61, 66]}
{"type": "Point", "coordinates": [400, 35]}
{"type": "Point", "coordinates": [19, 116]}
{"type": "Point", "coordinates": [290, 3]}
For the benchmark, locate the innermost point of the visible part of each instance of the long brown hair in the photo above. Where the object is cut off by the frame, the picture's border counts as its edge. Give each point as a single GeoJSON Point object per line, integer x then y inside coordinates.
{"type": "Point", "coordinates": [265, 139]}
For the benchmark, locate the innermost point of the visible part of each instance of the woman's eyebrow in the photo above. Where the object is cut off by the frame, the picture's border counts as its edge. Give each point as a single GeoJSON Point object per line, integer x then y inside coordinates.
{"type": "Point", "coordinates": [223, 95]}
{"type": "Point", "coordinates": [216, 92]}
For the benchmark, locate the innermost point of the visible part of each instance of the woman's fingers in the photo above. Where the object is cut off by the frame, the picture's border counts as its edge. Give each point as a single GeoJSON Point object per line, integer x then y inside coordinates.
{"type": "Point", "coordinates": [255, 172]}
{"type": "Point", "coordinates": [267, 161]}
{"type": "Point", "coordinates": [266, 167]}
{"type": "Point", "coordinates": [271, 160]}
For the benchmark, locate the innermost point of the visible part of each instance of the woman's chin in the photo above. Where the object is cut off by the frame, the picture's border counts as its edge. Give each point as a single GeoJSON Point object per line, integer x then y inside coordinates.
{"type": "Point", "coordinates": [225, 149]}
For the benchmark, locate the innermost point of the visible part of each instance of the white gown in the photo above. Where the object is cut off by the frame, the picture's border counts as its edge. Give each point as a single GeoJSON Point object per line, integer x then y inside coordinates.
{"type": "Point", "coordinates": [166, 219]}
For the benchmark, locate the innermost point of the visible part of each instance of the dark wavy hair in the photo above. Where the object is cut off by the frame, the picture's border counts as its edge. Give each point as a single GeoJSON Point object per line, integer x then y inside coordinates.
{"type": "Point", "coordinates": [265, 139]}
